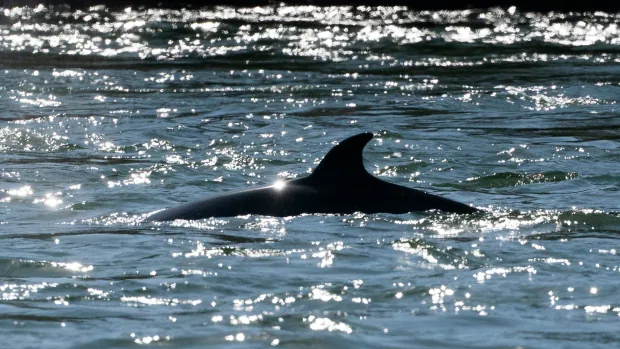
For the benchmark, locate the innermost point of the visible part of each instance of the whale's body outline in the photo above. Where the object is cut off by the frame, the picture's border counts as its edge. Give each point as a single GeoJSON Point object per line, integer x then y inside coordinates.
{"type": "Point", "coordinates": [339, 184]}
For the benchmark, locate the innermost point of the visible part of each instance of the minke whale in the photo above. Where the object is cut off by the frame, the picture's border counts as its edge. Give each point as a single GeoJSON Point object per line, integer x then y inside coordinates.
{"type": "Point", "coordinates": [339, 185]}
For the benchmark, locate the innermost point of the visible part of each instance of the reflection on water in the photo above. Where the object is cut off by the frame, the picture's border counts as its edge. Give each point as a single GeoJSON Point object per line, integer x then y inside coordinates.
{"type": "Point", "coordinates": [109, 115]}
{"type": "Point", "coordinates": [327, 33]}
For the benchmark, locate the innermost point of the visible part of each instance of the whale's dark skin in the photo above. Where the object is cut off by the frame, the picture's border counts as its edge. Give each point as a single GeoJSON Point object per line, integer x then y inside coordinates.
{"type": "Point", "coordinates": [340, 185]}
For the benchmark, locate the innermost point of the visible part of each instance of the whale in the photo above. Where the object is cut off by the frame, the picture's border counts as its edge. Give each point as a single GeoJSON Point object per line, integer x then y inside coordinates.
{"type": "Point", "coordinates": [339, 184]}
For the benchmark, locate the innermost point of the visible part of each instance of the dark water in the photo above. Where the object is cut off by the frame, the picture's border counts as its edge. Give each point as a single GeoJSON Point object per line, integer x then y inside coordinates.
{"type": "Point", "coordinates": [106, 116]}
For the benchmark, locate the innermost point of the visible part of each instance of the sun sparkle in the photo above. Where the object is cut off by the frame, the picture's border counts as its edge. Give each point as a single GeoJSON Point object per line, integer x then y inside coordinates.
{"type": "Point", "coordinates": [279, 184]}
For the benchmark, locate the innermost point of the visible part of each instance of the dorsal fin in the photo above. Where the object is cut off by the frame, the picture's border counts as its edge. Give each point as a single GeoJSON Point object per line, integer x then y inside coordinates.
{"type": "Point", "coordinates": [345, 159]}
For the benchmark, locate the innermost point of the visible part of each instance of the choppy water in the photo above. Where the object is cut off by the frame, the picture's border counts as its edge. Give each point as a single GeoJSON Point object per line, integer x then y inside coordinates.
{"type": "Point", "coordinates": [106, 116]}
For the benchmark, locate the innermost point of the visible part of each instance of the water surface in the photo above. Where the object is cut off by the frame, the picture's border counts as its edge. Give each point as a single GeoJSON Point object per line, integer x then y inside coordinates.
{"type": "Point", "coordinates": [108, 115]}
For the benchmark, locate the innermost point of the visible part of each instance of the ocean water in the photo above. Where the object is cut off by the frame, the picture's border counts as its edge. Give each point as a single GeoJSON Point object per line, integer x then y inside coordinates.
{"type": "Point", "coordinates": [108, 115]}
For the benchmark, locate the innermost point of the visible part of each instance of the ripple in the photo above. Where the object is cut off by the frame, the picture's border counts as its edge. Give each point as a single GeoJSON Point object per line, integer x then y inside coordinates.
{"type": "Point", "coordinates": [511, 179]}
{"type": "Point", "coordinates": [31, 268]}
{"type": "Point", "coordinates": [324, 33]}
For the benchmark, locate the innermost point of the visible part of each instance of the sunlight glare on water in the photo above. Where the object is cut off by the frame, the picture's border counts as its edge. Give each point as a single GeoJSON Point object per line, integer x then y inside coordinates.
{"type": "Point", "coordinates": [108, 115]}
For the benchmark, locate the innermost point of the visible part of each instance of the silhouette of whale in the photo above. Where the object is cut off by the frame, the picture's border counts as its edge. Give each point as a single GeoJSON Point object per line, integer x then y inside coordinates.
{"type": "Point", "coordinates": [339, 185]}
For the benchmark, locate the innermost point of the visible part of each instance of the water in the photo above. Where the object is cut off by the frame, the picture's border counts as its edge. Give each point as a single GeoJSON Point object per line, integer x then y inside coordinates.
{"type": "Point", "coordinates": [108, 115]}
